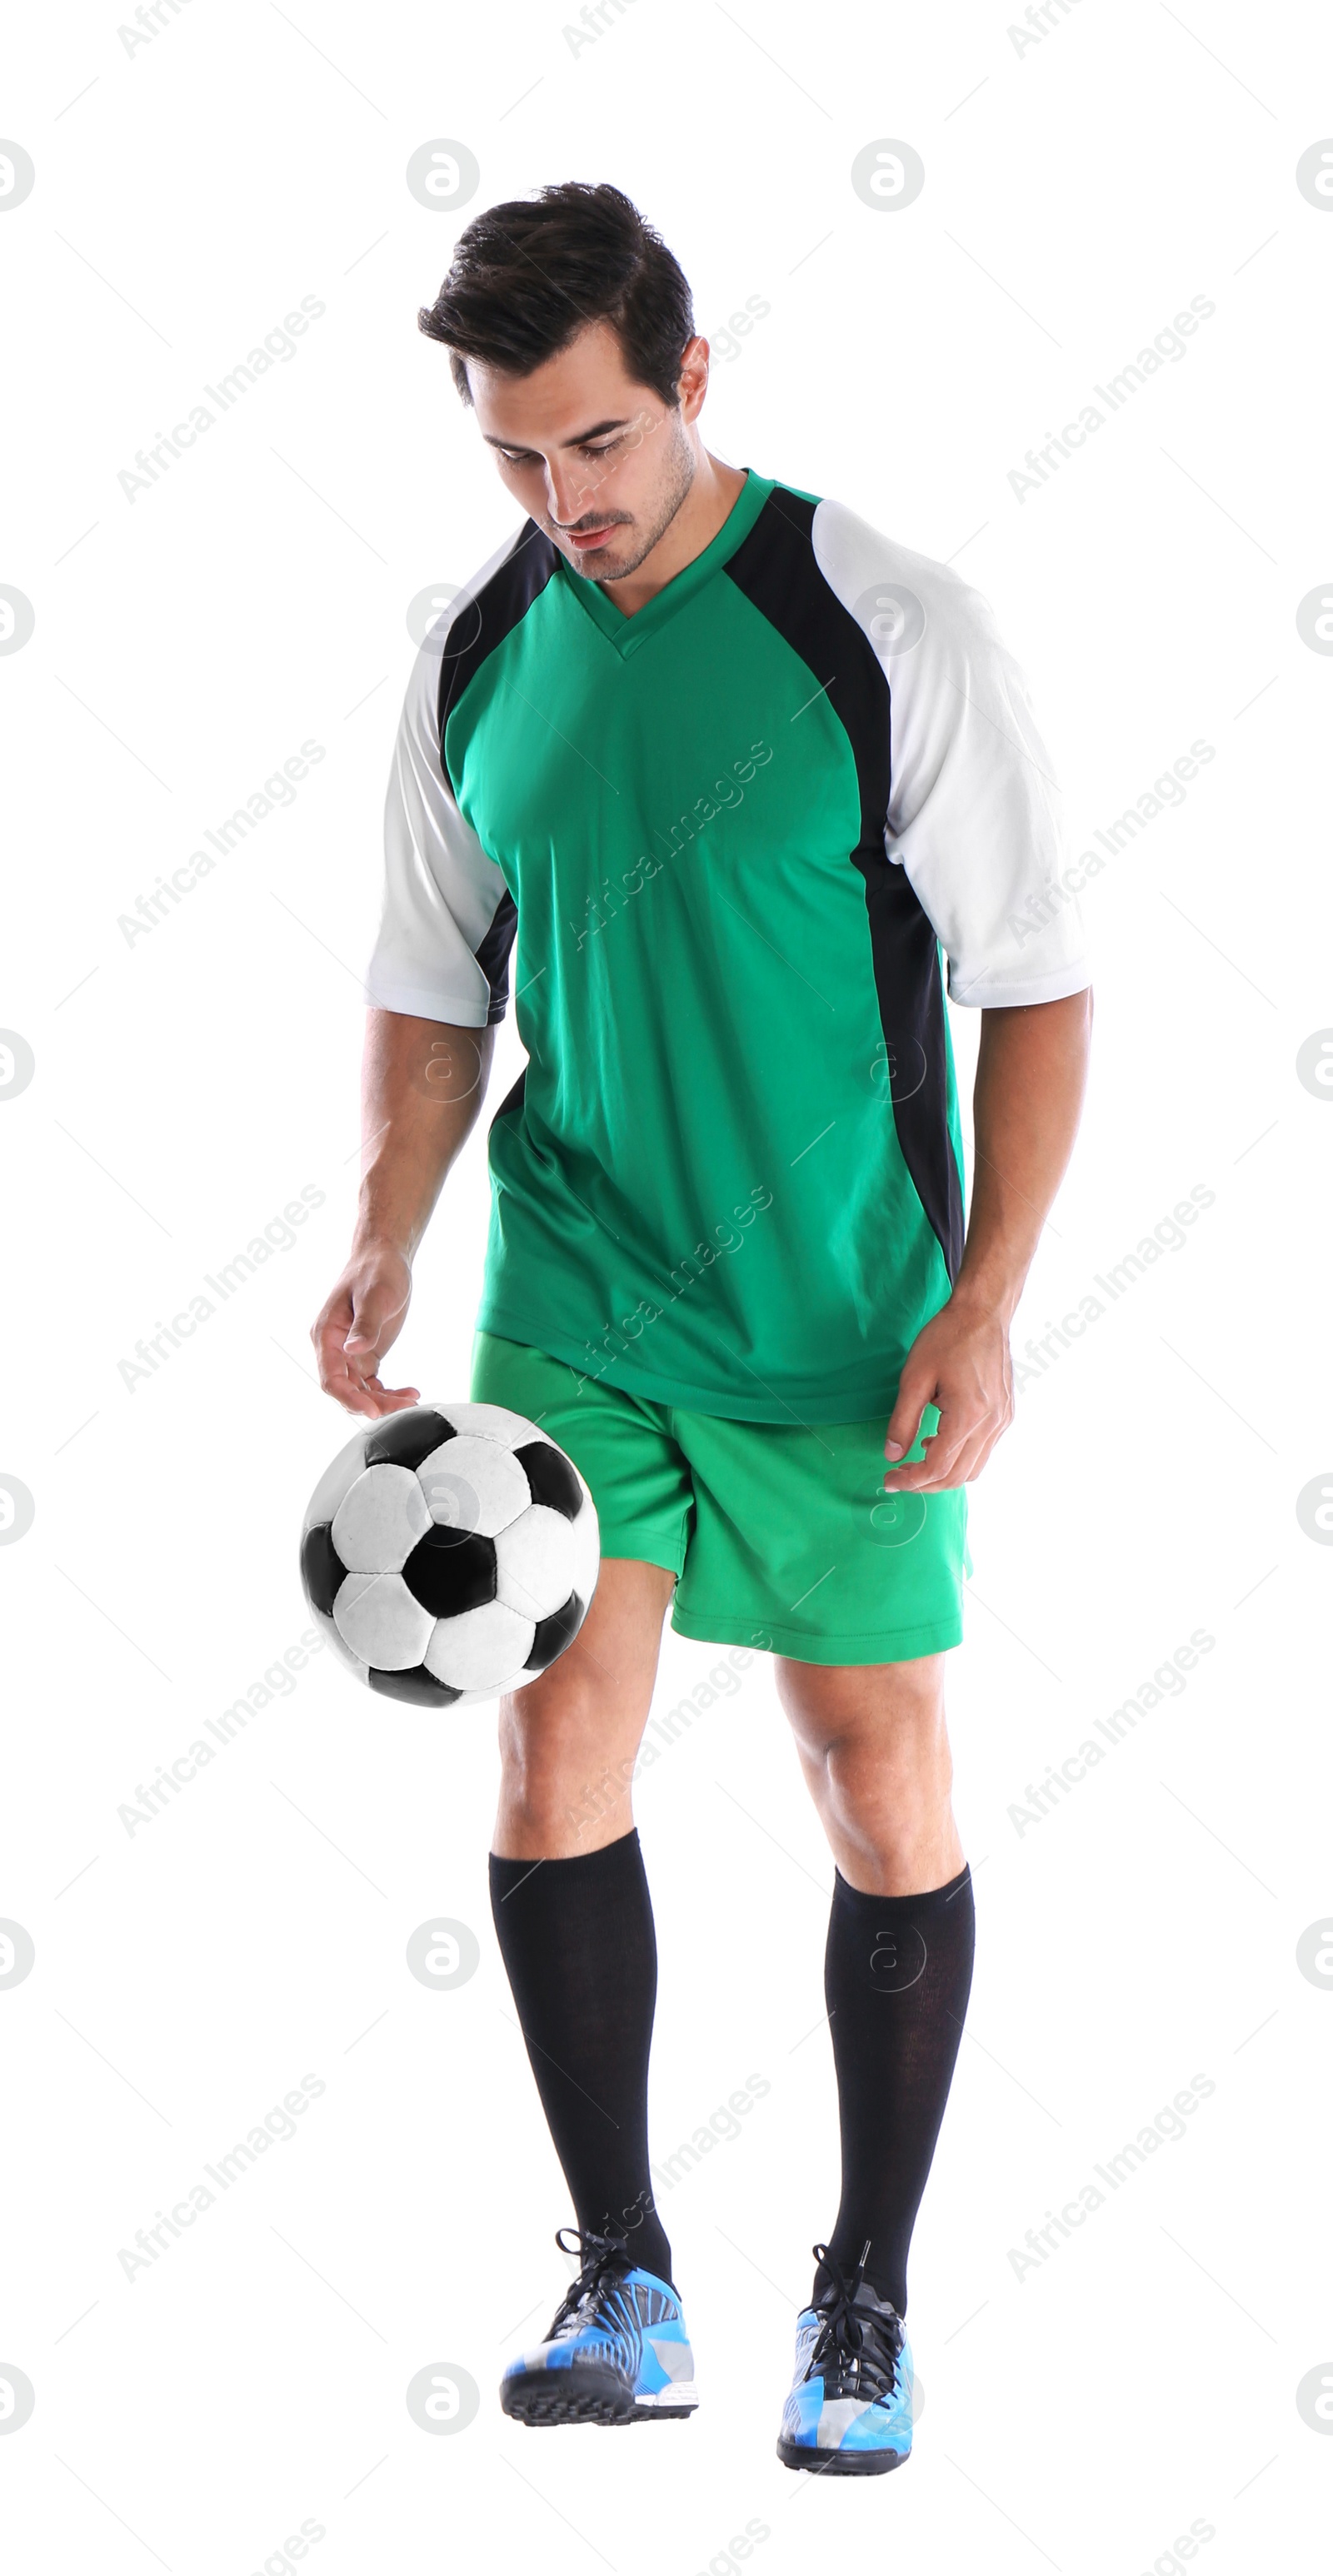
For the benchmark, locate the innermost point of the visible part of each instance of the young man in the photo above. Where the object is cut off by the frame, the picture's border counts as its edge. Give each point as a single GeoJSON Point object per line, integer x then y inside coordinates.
{"type": "Point", "coordinates": [739, 771]}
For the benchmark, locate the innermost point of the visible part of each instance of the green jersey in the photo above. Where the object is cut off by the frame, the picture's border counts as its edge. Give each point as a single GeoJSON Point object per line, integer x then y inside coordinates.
{"type": "Point", "coordinates": [737, 838]}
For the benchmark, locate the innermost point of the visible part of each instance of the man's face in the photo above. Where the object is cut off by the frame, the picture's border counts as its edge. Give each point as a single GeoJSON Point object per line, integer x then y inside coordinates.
{"type": "Point", "coordinates": [601, 463]}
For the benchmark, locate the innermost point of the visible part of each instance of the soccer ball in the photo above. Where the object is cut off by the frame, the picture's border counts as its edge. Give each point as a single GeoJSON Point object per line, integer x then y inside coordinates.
{"type": "Point", "coordinates": [450, 1553]}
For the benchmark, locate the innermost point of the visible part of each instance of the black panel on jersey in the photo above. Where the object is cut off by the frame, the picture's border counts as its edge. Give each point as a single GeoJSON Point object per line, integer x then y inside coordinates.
{"type": "Point", "coordinates": [775, 567]}
{"type": "Point", "coordinates": [500, 605]}
{"type": "Point", "coordinates": [483, 624]}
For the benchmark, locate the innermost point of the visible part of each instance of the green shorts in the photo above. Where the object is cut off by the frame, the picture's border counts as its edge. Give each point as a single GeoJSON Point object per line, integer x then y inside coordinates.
{"type": "Point", "coordinates": [781, 1538]}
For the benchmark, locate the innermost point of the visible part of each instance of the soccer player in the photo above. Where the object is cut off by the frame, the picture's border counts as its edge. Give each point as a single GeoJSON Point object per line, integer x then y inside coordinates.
{"type": "Point", "coordinates": [740, 775]}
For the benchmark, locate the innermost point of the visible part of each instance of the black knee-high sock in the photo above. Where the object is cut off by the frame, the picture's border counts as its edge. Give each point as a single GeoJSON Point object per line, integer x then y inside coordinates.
{"type": "Point", "coordinates": [897, 1974]}
{"type": "Point", "coordinates": [577, 1940]}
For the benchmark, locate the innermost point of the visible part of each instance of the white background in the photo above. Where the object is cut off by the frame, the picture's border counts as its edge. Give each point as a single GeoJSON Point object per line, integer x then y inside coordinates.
{"type": "Point", "coordinates": [1078, 193]}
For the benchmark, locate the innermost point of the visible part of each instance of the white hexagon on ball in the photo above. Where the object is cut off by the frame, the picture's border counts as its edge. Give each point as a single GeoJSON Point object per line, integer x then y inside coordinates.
{"type": "Point", "coordinates": [534, 1562]}
{"type": "Point", "coordinates": [472, 1483]}
{"type": "Point", "coordinates": [379, 1521]}
{"type": "Point", "coordinates": [385, 1628]}
{"type": "Point", "coordinates": [478, 1650]}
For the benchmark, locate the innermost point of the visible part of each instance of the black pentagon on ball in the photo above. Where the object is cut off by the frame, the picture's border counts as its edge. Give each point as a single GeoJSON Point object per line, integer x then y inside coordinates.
{"type": "Point", "coordinates": [451, 1570]}
{"type": "Point", "coordinates": [551, 1478]}
{"type": "Point", "coordinates": [554, 1634]}
{"type": "Point", "coordinates": [418, 1687]}
{"type": "Point", "coordinates": [407, 1438]}
{"type": "Point", "coordinates": [322, 1569]}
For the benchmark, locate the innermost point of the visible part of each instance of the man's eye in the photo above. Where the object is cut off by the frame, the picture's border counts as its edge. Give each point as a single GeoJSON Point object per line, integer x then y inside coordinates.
{"type": "Point", "coordinates": [601, 451]}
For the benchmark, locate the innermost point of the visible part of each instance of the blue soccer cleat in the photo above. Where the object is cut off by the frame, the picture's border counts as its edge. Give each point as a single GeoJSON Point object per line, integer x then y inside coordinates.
{"type": "Point", "coordinates": [617, 2351]}
{"type": "Point", "coordinates": [850, 2407]}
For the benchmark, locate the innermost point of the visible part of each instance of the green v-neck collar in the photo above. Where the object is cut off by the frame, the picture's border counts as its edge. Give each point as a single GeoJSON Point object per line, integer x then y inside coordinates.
{"type": "Point", "coordinates": [628, 633]}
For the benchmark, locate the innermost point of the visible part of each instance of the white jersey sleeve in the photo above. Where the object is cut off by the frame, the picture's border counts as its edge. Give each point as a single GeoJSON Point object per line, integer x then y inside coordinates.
{"type": "Point", "coordinates": [974, 809]}
{"type": "Point", "coordinates": [447, 921]}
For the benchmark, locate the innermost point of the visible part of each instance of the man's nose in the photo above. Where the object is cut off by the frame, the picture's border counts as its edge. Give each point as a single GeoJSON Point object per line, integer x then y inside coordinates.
{"type": "Point", "coordinates": [570, 492]}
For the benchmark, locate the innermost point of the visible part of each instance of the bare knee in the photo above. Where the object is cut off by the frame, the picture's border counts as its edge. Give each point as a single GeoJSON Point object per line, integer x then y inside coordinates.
{"type": "Point", "coordinates": [874, 1748]}
{"type": "Point", "coordinates": [567, 1760]}
{"type": "Point", "coordinates": [545, 1747]}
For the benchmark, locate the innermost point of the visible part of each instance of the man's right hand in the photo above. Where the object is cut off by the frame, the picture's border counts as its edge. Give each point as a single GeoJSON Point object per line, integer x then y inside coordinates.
{"type": "Point", "coordinates": [358, 1324]}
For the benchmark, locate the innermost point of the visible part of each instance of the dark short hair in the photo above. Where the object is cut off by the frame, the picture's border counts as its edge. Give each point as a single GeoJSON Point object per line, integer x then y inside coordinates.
{"type": "Point", "coordinates": [529, 274]}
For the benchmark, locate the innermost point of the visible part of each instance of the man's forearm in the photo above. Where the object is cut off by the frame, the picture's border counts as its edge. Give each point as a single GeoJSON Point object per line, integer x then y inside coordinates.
{"type": "Point", "coordinates": [422, 1085]}
{"type": "Point", "coordinates": [1031, 1073]}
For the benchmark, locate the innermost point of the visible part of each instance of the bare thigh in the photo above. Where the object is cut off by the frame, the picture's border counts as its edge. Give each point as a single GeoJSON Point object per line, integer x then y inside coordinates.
{"type": "Point", "coordinates": [568, 1739]}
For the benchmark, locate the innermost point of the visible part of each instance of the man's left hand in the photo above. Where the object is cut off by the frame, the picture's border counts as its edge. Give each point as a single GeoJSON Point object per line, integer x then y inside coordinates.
{"type": "Point", "coordinates": [959, 1362]}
